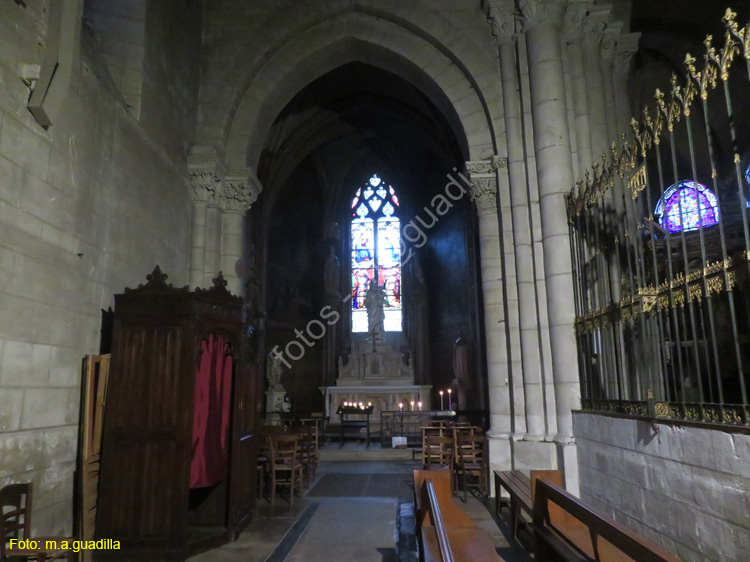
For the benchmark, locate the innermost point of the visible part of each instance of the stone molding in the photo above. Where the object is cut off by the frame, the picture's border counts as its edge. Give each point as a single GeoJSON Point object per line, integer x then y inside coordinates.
{"type": "Point", "coordinates": [486, 166]}
{"type": "Point", "coordinates": [534, 12]}
{"type": "Point", "coordinates": [626, 47]}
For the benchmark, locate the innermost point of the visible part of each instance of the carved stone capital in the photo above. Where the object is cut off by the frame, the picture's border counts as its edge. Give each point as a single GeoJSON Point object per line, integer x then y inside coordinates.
{"type": "Point", "coordinates": [205, 173]}
{"type": "Point", "coordinates": [626, 47]}
{"type": "Point", "coordinates": [575, 15]}
{"type": "Point", "coordinates": [204, 186]}
{"type": "Point", "coordinates": [484, 193]}
{"type": "Point", "coordinates": [502, 18]}
{"type": "Point", "coordinates": [241, 189]}
{"type": "Point", "coordinates": [610, 37]}
{"type": "Point", "coordinates": [534, 12]}
{"type": "Point", "coordinates": [595, 23]}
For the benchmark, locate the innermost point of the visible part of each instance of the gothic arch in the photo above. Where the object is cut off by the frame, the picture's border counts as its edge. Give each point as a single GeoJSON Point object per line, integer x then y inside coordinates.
{"type": "Point", "coordinates": [416, 44]}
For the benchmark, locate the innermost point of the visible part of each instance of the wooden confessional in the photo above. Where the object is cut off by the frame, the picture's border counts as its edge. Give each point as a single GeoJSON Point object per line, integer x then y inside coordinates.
{"type": "Point", "coordinates": [179, 444]}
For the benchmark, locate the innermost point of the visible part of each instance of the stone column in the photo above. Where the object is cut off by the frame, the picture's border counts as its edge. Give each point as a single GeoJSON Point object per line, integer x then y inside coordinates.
{"type": "Point", "coordinates": [510, 285]}
{"type": "Point", "coordinates": [519, 200]}
{"type": "Point", "coordinates": [484, 195]}
{"type": "Point", "coordinates": [203, 186]}
{"type": "Point", "coordinates": [213, 242]}
{"type": "Point", "coordinates": [537, 244]}
{"type": "Point", "coordinates": [206, 174]}
{"type": "Point", "coordinates": [594, 24]}
{"type": "Point", "coordinates": [610, 38]}
{"type": "Point", "coordinates": [626, 47]}
{"type": "Point", "coordinates": [542, 20]}
{"type": "Point", "coordinates": [237, 196]}
{"type": "Point", "coordinates": [574, 17]}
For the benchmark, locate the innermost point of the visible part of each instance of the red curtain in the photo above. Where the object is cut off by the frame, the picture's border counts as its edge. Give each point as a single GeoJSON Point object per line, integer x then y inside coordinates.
{"type": "Point", "coordinates": [213, 389]}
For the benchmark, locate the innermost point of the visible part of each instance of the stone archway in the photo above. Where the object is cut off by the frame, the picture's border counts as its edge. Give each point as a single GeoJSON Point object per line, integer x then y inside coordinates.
{"type": "Point", "coordinates": [302, 44]}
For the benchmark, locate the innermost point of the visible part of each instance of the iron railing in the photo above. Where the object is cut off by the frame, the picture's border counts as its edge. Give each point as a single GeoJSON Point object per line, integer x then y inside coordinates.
{"type": "Point", "coordinates": [663, 317]}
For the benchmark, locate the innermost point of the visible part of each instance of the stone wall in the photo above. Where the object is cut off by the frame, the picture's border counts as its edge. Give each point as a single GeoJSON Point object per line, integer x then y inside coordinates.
{"type": "Point", "coordinates": [87, 207]}
{"type": "Point", "coordinates": [687, 488]}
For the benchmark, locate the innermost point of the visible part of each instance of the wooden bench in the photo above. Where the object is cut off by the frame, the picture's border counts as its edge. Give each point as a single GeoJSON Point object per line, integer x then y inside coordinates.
{"type": "Point", "coordinates": [564, 527]}
{"type": "Point", "coordinates": [520, 489]}
{"type": "Point", "coordinates": [444, 532]}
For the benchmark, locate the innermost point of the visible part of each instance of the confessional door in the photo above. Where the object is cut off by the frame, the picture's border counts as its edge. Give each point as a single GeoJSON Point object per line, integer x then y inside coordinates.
{"type": "Point", "coordinates": [178, 384]}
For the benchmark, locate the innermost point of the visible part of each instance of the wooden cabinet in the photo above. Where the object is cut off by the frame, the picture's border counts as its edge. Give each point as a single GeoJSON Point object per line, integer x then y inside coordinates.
{"type": "Point", "coordinates": [157, 404]}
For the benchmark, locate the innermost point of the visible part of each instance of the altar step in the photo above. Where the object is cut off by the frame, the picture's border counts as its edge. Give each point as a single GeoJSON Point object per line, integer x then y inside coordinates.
{"type": "Point", "coordinates": [360, 452]}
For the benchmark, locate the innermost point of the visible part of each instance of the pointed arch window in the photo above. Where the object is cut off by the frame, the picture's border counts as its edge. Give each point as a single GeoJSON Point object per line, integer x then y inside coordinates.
{"type": "Point", "coordinates": [687, 205]}
{"type": "Point", "coordinates": [376, 252]}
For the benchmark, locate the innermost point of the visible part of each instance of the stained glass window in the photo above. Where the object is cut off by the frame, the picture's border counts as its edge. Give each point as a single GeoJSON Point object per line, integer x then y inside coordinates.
{"type": "Point", "coordinates": [687, 205]}
{"type": "Point", "coordinates": [376, 247]}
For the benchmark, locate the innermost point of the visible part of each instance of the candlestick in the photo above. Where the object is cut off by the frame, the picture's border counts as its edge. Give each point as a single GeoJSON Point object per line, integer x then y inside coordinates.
{"type": "Point", "coordinates": [441, 401]}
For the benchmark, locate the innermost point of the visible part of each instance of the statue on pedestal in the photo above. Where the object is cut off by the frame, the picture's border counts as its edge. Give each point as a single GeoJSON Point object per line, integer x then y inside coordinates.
{"type": "Point", "coordinates": [374, 300]}
{"type": "Point", "coordinates": [273, 372]}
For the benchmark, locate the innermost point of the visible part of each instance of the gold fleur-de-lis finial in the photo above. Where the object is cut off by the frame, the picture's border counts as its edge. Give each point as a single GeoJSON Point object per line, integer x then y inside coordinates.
{"type": "Point", "coordinates": [730, 19]}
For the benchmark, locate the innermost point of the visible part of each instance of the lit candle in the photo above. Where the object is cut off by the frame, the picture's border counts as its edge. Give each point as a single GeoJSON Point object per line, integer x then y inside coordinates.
{"type": "Point", "coordinates": [345, 403]}
{"type": "Point", "coordinates": [412, 405]}
{"type": "Point", "coordinates": [369, 404]}
{"type": "Point", "coordinates": [450, 404]}
{"type": "Point", "coordinates": [400, 406]}
{"type": "Point", "coordinates": [441, 401]}
{"type": "Point", "coordinates": [420, 406]}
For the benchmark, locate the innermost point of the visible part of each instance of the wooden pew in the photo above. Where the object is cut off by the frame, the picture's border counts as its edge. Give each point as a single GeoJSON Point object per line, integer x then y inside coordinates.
{"type": "Point", "coordinates": [565, 527]}
{"type": "Point", "coordinates": [444, 532]}
{"type": "Point", "coordinates": [520, 488]}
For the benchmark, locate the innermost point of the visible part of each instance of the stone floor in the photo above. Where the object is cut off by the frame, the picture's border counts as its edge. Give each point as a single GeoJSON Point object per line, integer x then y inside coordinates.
{"type": "Point", "coordinates": [328, 524]}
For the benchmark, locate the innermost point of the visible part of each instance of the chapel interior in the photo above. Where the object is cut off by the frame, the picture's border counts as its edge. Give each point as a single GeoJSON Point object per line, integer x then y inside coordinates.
{"type": "Point", "coordinates": [375, 280]}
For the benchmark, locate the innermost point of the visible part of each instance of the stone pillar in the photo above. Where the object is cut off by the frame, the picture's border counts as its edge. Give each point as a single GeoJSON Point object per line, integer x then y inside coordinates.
{"type": "Point", "coordinates": [609, 39]}
{"type": "Point", "coordinates": [484, 195]}
{"type": "Point", "coordinates": [536, 232]}
{"type": "Point", "coordinates": [203, 186]}
{"type": "Point", "coordinates": [626, 47]}
{"type": "Point", "coordinates": [594, 24]}
{"type": "Point", "coordinates": [237, 196]}
{"type": "Point", "coordinates": [213, 242]}
{"type": "Point", "coordinates": [533, 390]}
{"type": "Point", "coordinates": [206, 174]}
{"type": "Point", "coordinates": [574, 17]}
{"type": "Point", "coordinates": [542, 20]}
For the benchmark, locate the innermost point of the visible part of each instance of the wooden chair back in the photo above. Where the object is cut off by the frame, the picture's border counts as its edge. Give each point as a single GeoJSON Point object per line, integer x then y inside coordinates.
{"type": "Point", "coordinates": [15, 514]}
{"type": "Point", "coordinates": [470, 449]}
{"type": "Point", "coordinates": [284, 450]}
{"type": "Point", "coordinates": [439, 451]}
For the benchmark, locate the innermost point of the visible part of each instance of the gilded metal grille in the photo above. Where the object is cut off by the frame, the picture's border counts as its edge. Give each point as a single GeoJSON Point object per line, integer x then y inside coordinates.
{"type": "Point", "coordinates": [663, 316]}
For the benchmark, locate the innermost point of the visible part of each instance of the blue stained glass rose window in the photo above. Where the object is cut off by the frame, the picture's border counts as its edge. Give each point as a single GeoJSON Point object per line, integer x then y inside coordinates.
{"type": "Point", "coordinates": [687, 205]}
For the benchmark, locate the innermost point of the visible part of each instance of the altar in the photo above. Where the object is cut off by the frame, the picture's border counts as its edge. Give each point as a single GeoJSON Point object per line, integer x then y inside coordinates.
{"type": "Point", "coordinates": [376, 375]}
